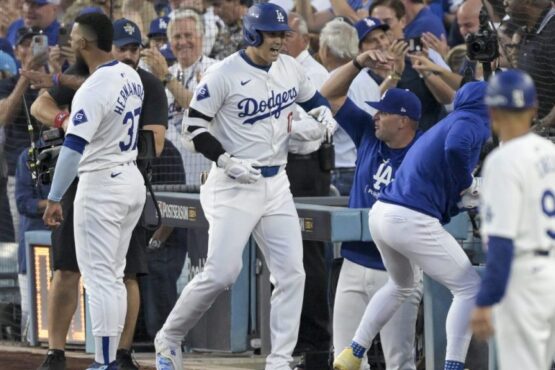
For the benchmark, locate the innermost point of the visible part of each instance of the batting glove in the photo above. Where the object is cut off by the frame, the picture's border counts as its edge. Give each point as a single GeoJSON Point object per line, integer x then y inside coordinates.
{"type": "Point", "coordinates": [474, 188]}
{"type": "Point", "coordinates": [324, 115]}
{"type": "Point", "coordinates": [240, 170]}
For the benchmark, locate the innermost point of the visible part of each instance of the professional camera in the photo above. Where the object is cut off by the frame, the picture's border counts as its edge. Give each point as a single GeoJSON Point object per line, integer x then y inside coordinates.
{"type": "Point", "coordinates": [47, 154]}
{"type": "Point", "coordinates": [483, 46]}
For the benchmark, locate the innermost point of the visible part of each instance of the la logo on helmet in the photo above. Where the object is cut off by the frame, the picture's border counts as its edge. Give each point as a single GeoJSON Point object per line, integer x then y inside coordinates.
{"type": "Point", "coordinates": [279, 16]}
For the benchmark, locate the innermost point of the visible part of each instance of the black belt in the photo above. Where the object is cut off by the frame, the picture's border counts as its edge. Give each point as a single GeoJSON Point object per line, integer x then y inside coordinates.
{"type": "Point", "coordinates": [541, 253]}
{"type": "Point", "coordinates": [313, 155]}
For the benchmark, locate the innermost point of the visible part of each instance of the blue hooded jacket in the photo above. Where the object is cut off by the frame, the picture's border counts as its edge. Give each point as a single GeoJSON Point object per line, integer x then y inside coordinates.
{"type": "Point", "coordinates": [438, 167]}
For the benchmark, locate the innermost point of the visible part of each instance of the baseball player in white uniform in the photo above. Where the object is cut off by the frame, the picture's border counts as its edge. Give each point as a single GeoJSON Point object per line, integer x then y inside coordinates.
{"type": "Point", "coordinates": [518, 228]}
{"type": "Point", "coordinates": [240, 118]}
{"type": "Point", "coordinates": [101, 147]}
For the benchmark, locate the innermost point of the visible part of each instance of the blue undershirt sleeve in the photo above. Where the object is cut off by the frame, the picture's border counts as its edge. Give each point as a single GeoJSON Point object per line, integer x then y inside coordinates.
{"type": "Point", "coordinates": [498, 268]}
{"type": "Point", "coordinates": [314, 102]}
{"type": "Point", "coordinates": [66, 166]}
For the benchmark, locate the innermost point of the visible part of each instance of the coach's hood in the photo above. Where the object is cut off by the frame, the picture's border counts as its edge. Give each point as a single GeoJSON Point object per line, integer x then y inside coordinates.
{"type": "Point", "coordinates": [470, 98]}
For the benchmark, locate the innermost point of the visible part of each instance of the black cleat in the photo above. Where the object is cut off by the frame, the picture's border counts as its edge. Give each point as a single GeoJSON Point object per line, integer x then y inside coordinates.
{"type": "Point", "coordinates": [55, 360]}
{"type": "Point", "coordinates": [125, 361]}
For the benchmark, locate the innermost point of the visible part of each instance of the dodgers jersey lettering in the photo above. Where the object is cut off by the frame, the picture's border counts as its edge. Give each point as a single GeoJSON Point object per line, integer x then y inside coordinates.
{"type": "Point", "coordinates": [252, 108]}
{"type": "Point", "coordinates": [106, 110]}
{"type": "Point", "coordinates": [528, 218]}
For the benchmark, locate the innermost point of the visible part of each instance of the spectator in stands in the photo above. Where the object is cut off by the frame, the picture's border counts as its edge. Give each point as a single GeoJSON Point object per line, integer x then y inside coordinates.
{"type": "Point", "coordinates": [8, 68]}
{"type": "Point", "coordinates": [41, 14]}
{"type": "Point", "coordinates": [158, 32]}
{"type": "Point", "coordinates": [420, 19]}
{"type": "Point", "coordinates": [230, 38]}
{"type": "Point", "coordinates": [468, 17]}
{"type": "Point", "coordinates": [10, 10]}
{"type": "Point", "coordinates": [185, 33]}
{"type": "Point", "coordinates": [31, 202]}
{"type": "Point", "coordinates": [307, 178]}
{"type": "Point", "coordinates": [536, 53]}
{"type": "Point", "coordinates": [141, 12]}
{"type": "Point", "coordinates": [350, 9]}
{"type": "Point", "coordinates": [432, 91]}
{"type": "Point", "coordinates": [338, 45]}
{"type": "Point", "coordinates": [14, 93]}
{"type": "Point", "coordinates": [111, 8]}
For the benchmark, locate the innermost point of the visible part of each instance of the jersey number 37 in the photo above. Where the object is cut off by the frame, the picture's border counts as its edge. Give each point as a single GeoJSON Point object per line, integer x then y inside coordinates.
{"type": "Point", "coordinates": [132, 133]}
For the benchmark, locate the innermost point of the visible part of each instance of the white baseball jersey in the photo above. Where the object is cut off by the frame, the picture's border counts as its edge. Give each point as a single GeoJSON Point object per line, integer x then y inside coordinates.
{"type": "Point", "coordinates": [518, 196]}
{"type": "Point", "coordinates": [105, 112]}
{"type": "Point", "coordinates": [252, 108]}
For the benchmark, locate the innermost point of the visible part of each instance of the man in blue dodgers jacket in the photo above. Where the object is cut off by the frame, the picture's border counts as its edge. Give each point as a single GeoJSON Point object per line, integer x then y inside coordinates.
{"type": "Point", "coordinates": [382, 142]}
{"type": "Point", "coordinates": [406, 224]}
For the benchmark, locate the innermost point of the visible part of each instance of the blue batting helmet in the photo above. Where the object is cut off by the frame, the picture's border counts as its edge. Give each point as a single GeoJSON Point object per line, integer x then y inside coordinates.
{"type": "Point", "coordinates": [262, 17]}
{"type": "Point", "coordinates": [512, 89]}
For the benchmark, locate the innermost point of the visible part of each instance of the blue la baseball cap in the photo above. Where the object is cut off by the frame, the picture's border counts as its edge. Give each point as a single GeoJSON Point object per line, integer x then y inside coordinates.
{"type": "Point", "coordinates": [399, 101]}
{"type": "Point", "coordinates": [166, 51]}
{"type": "Point", "coordinates": [7, 63]}
{"type": "Point", "coordinates": [159, 27]}
{"type": "Point", "coordinates": [367, 25]}
{"type": "Point", "coordinates": [126, 32]}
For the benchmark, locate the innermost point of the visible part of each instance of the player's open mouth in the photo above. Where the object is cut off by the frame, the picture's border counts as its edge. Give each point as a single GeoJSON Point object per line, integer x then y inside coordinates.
{"type": "Point", "coordinates": [275, 50]}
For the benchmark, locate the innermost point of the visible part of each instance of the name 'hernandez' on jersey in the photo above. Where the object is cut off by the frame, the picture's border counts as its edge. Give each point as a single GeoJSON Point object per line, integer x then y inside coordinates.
{"type": "Point", "coordinates": [252, 108]}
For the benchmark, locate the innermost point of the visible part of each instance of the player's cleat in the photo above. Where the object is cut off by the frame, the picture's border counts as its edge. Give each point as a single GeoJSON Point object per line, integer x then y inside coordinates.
{"type": "Point", "coordinates": [168, 355]}
{"type": "Point", "coordinates": [125, 360]}
{"type": "Point", "coordinates": [55, 360]}
{"type": "Point", "coordinates": [347, 360]}
{"type": "Point", "coordinates": [96, 366]}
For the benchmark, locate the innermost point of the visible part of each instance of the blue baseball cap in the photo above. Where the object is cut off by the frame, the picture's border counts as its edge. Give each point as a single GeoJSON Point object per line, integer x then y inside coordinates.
{"type": "Point", "coordinates": [6, 47]}
{"type": "Point", "coordinates": [7, 63]}
{"type": "Point", "coordinates": [91, 9]}
{"type": "Point", "coordinates": [126, 32]}
{"type": "Point", "coordinates": [159, 27]}
{"type": "Point", "coordinates": [399, 101]}
{"type": "Point", "coordinates": [367, 25]}
{"type": "Point", "coordinates": [166, 51]}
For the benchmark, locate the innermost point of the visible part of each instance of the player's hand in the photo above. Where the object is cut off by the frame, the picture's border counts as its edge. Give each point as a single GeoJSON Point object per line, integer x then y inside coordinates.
{"type": "Point", "coordinates": [38, 80]}
{"type": "Point", "coordinates": [324, 115]}
{"type": "Point", "coordinates": [53, 214]}
{"type": "Point", "coordinates": [376, 59]}
{"type": "Point", "coordinates": [482, 323]}
{"type": "Point", "coordinates": [240, 170]}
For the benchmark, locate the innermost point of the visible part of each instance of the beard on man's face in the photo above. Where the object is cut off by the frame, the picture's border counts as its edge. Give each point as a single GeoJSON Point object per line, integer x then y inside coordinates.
{"type": "Point", "coordinates": [130, 63]}
{"type": "Point", "coordinates": [79, 61]}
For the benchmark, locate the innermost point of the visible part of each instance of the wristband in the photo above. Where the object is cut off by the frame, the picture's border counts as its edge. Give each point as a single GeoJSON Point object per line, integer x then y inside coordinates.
{"type": "Point", "coordinates": [60, 118]}
{"type": "Point", "coordinates": [56, 79]}
{"type": "Point", "coordinates": [357, 64]}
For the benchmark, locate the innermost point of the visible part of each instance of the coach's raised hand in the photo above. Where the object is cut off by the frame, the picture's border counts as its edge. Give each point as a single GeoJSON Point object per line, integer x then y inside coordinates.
{"type": "Point", "coordinates": [239, 169]}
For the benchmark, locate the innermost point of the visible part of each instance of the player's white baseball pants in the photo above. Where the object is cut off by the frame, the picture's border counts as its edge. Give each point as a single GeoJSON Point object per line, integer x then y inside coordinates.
{"type": "Point", "coordinates": [107, 208]}
{"type": "Point", "coordinates": [406, 237]}
{"type": "Point", "coordinates": [234, 211]}
{"type": "Point", "coordinates": [524, 321]}
{"type": "Point", "coordinates": [355, 287]}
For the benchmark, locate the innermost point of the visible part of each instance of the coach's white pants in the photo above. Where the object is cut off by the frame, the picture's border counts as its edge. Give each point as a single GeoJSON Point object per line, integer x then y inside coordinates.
{"type": "Point", "coordinates": [525, 319]}
{"type": "Point", "coordinates": [234, 211]}
{"type": "Point", "coordinates": [106, 211]}
{"type": "Point", "coordinates": [355, 287]}
{"type": "Point", "coordinates": [406, 237]}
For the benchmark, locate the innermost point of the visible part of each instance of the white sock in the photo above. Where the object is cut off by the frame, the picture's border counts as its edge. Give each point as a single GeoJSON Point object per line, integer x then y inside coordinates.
{"type": "Point", "coordinates": [105, 349]}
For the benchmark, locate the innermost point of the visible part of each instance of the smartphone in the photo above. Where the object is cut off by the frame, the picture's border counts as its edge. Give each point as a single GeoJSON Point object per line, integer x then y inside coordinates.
{"type": "Point", "coordinates": [415, 44]}
{"type": "Point", "coordinates": [39, 44]}
{"type": "Point", "coordinates": [63, 37]}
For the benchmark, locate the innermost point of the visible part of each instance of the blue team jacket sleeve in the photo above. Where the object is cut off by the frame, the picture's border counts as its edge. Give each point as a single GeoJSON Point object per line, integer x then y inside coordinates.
{"type": "Point", "coordinates": [316, 101]}
{"type": "Point", "coordinates": [26, 197]}
{"type": "Point", "coordinates": [66, 166]}
{"type": "Point", "coordinates": [458, 153]}
{"type": "Point", "coordinates": [355, 121]}
{"type": "Point", "coordinates": [498, 268]}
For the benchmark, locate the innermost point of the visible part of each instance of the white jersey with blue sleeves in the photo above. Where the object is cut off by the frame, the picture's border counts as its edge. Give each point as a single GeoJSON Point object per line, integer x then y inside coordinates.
{"type": "Point", "coordinates": [105, 112]}
{"type": "Point", "coordinates": [252, 108]}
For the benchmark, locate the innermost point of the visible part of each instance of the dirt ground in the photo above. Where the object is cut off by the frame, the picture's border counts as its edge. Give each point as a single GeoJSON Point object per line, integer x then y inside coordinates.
{"type": "Point", "coordinates": [30, 361]}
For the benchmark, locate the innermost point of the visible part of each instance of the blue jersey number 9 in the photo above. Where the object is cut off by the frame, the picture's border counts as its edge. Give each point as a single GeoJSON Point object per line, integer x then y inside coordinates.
{"type": "Point", "coordinates": [131, 132]}
{"type": "Point", "coordinates": [548, 207]}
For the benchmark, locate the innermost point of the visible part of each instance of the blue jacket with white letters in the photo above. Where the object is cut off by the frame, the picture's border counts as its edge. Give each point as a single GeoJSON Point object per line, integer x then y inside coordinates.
{"type": "Point", "coordinates": [439, 166]}
{"type": "Point", "coordinates": [376, 164]}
